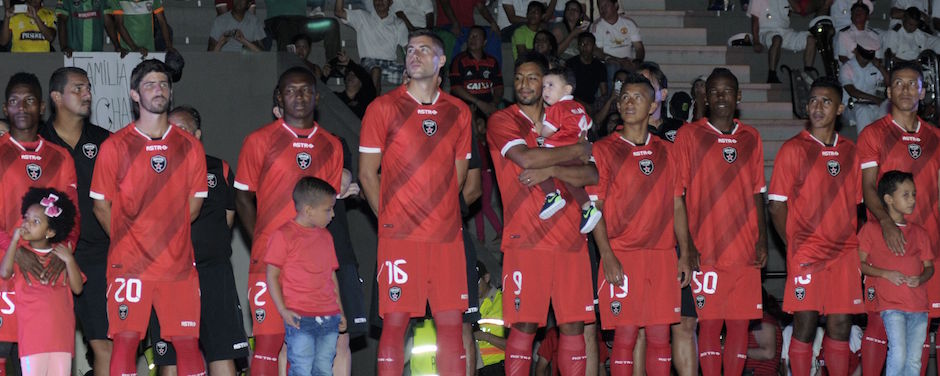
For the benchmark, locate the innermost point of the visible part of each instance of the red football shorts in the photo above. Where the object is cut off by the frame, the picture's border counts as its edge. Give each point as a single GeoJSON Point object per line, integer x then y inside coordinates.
{"type": "Point", "coordinates": [532, 279]}
{"type": "Point", "coordinates": [836, 289]}
{"type": "Point", "coordinates": [411, 274]}
{"type": "Point", "coordinates": [8, 321]}
{"type": "Point", "coordinates": [650, 294]}
{"type": "Point", "coordinates": [176, 303]}
{"type": "Point", "coordinates": [727, 294]}
{"type": "Point", "coordinates": [265, 317]}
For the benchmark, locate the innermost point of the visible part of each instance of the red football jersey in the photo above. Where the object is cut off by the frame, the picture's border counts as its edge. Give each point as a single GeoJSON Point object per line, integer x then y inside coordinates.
{"type": "Point", "coordinates": [523, 230]}
{"type": "Point", "coordinates": [44, 314]}
{"type": "Point", "coordinates": [638, 187]}
{"type": "Point", "coordinates": [568, 119]}
{"type": "Point", "coordinates": [33, 164]}
{"type": "Point", "coordinates": [916, 251]}
{"type": "Point", "coordinates": [720, 174]}
{"type": "Point", "coordinates": [149, 183]}
{"type": "Point", "coordinates": [822, 189]}
{"type": "Point", "coordinates": [272, 160]}
{"type": "Point", "coordinates": [419, 196]}
{"type": "Point", "coordinates": [889, 147]}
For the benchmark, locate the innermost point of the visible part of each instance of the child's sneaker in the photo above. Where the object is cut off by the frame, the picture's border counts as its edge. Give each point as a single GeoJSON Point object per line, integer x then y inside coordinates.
{"type": "Point", "coordinates": [553, 203]}
{"type": "Point", "coordinates": [589, 218]}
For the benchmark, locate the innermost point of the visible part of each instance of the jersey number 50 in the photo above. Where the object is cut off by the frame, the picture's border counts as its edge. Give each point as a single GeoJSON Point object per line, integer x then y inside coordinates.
{"type": "Point", "coordinates": [704, 282]}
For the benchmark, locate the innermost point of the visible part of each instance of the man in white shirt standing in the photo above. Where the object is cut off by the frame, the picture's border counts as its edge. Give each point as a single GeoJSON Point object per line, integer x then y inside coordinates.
{"type": "Point", "coordinates": [416, 14]}
{"type": "Point", "coordinates": [379, 34]}
{"type": "Point", "coordinates": [860, 77]}
{"type": "Point", "coordinates": [770, 21]}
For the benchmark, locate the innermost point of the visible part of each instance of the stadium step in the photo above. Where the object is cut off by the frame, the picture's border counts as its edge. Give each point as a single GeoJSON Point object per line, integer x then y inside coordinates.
{"type": "Point", "coordinates": [697, 54]}
{"type": "Point", "coordinates": [688, 72]}
{"type": "Point", "coordinates": [674, 36]}
{"type": "Point", "coordinates": [629, 5]}
{"type": "Point", "coordinates": [750, 92]}
{"type": "Point", "coordinates": [766, 110]}
{"type": "Point", "coordinates": [657, 18]}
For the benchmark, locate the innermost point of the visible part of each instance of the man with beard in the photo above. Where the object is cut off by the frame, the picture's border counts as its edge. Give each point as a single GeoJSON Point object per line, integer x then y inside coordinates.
{"type": "Point", "coordinates": [148, 186]}
{"type": "Point", "coordinates": [420, 137]}
{"type": "Point", "coordinates": [70, 128]}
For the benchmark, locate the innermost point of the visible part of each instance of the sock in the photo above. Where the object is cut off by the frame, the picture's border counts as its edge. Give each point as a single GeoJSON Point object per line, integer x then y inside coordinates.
{"type": "Point", "coordinates": [519, 353]}
{"type": "Point", "coordinates": [801, 357]}
{"type": "Point", "coordinates": [264, 361]}
{"type": "Point", "coordinates": [451, 357]}
{"type": "Point", "coordinates": [621, 358]}
{"type": "Point", "coordinates": [391, 356]}
{"type": "Point", "coordinates": [658, 351]}
{"type": "Point", "coordinates": [188, 358]}
{"type": "Point", "coordinates": [124, 355]}
{"type": "Point", "coordinates": [3, 366]}
{"type": "Point", "coordinates": [709, 346]}
{"type": "Point", "coordinates": [837, 356]}
{"type": "Point", "coordinates": [572, 359]}
{"type": "Point", "coordinates": [874, 345]}
{"type": "Point", "coordinates": [735, 353]}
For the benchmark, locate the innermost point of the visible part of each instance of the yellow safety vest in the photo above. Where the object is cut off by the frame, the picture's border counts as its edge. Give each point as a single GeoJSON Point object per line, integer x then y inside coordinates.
{"type": "Point", "coordinates": [424, 349]}
{"type": "Point", "coordinates": [491, 311]}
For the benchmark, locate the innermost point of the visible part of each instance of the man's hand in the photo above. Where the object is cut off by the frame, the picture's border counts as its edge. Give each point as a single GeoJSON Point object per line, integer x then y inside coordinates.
{"type": "Point", "coordinates": [893, 237]}
{"type": "Point", "coordinates": [613, 271]}
{"type": "Point", "coordinates": [532, 177]}
{"type": "Point", "coordinates": [142, 51]}
{"type": "Point", "coordinates": [68, 51]}
{"type": "Point", "coordinates": [758, 47]}
{"type": "Point", "coordinates": [119, 49]}
{"type": "Point", "coordinates": [684, 274]}
{"type": "Point", "coordinates": [913, 281]}
{"type": "Point", "coordinates": [53, 271]}
{"type": "Point", "coordinates": [693, 257]}
{"type": "Point", "coordinates": [29, 264]}
{"type": "Point", "coordinates": [342, 323]}
{"type": "Point", "coordinates": [291, 318]}
{"type": "Point", "coordinates": [760, 254]}
{"type": "Point", "coordinates": [895, 277]}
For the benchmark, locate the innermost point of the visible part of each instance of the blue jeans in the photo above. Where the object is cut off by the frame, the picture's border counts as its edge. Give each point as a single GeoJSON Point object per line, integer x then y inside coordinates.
{"type": "Point", "coordinates": [906, 334]}
{"type": "Point", "coordinates": [311, 349]}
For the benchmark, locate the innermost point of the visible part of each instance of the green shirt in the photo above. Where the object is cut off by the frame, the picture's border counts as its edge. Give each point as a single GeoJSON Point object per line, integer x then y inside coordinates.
{"type": "Point", "coordinates": [85, 23]}
{"type": "Point", "coordinates": [524, 36]}
{"type": "Point", "coordinates": [285, 8]}
{"type": "Point", "coordinates": [138, 19]}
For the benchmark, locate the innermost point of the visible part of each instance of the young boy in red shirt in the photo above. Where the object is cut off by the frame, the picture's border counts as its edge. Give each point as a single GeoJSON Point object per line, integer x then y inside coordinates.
{"type": "Point", "coordinates": [899, 279]}
{"type": "Point", "coordinates": [302, 279]}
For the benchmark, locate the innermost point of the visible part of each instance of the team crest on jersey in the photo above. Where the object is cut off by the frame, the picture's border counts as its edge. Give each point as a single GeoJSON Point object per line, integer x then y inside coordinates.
{"type": "Point", "coordinates": [615, 307]}
{"type": "Point", "coordinates": [700, 301]}
{"type": "Point", "coordinates": [158, 163]}
{"type": "Point", "coordinates": [800, 293]}
{"type": "Point", "coordinates": [394, 293]}
{"type": "Point", "coordinates": [540, 141]}
{"type": "Point", "coordinates": [671, 135]}
{"type": "Point", "coordinates": [516, 303]}
{"type": "Point", "coordinates": [260, 315]}
{"type": "Point", "coordinates": [303, 160]}
{"type": "Point", "coordinates": [833, 167]}
{"type": "Point", "coordinates": [870, 294]}
{"type": "Point", "coordinates": [429, 126]}
{"type": "Point", "coordinates": [730, 154]}
{"type": "Point", "coordinates": [914, 150]}
{"type": "Point", "coordinates": [122, 311]}
{"type": "Point", "coordinates": [33, 171]}
{"type": "Point", "coordinates": [486, 74]}
{"type": "Point", "coordinates": [646, 167]}
{"type": "Point", "coordinates": [212, 180]}
{"type": "Point", "coordinates": [90, 150]}
{"type": "Point", "coordinates": [161, 348]}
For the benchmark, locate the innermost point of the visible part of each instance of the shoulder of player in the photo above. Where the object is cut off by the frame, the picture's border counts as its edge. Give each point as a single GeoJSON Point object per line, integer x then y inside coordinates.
{"type": "Point", "coordinates": [264, 131]}
{"type": "Point", "coordinates": [53, 148]}
{"type": "Point", "coordinates": [875, 129]}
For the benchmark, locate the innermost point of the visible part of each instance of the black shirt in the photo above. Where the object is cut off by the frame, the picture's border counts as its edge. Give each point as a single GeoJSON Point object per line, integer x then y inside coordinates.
{"type": "Point", "coordinates": [667, 130]}
{"type": "Point", "coordinates": [212, 238]}
{"type": "Point", "coordinates": [339, 227]}
{"type": "Point", "coordinates": [588, 78]}
{"type": "Point", "coordinates": [93, 242]}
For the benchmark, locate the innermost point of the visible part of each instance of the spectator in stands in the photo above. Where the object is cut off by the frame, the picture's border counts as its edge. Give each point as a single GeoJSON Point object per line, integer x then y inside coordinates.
{"type": "Point", "coordinates": [32, 31]}
{"type": "Point", "coordinates": [900, 7]}
{"type": "Point", "coordinates": [659, 124]}
{"type": "Point", "coordinates": [848, 36]}
{"type": "Point", "coordinates": [699, 107]}
{"type": "Point", "coordinates": [82, 26]}
{"type": "Point", "coordinates": [841, 12]}
{"type": "Point", "coordinates": [566, 32]}
{"type": "Point", "coordinates": [770, 22]}
{"type": "Point", "coordinates": [607, 104]}
{"type": "Point", "coordinates": [378, 36]}
{"type": "Point", "coordinates": [618, 39]}
{"type": "Point", "coordinates": [222, 6]}
{"type": "Point", "coordinates": [546, 44]}
{"type": "Point", "coordinates": [524, 36]}
{"type": "Point", "coordinates": [491, 338]}
{"type": "Point", "coordinates": [416, 14]}
{"type": "Point", "coordinates": [510, 15]}
{"type": "Point", "coordinates": [287, 18]}
{"type": "Point", "coordinates": [589, 72]}
{"type": "Point", "coordinates": [134, 22]}
{"type": "Point", "coordinates": [461, 12]}
{"type": "Point", "coordinates": [765, 340]}
{"type": "Point", "coordinates": [909, 41]}
{"type": "Point", "coordinates": [861, 78]}
{"type": "Point", "coordinates": [238, 26]}
{"type": "Point", "coordinates": [302, 44]}
{"type": "Point", "coordinates": [476, 77]}
{"type": "Point", "coordinates": [359, 91]}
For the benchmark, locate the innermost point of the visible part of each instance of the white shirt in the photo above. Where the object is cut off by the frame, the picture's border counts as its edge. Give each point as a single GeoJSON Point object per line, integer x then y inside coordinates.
{"type": "Point", "coordinates": [250, 25]}
{"type": "Point", "coordinates": [377, 38]}
{"type": "Point", "coordinates": [864, 78]}
{"type": "Point", "coordinates": [847, 40]}
{"type": "Point", "coordinates": [841, 12]}
{"type": "Point", "coordinates": [908, 46]}
{"type": "Point", "coordinates": [617, 39]}
{"type": "Point", "coordinates": [771, 14]}
{"type": "Point", "coordinates": [520, 6]}
{"type": "Point", "coordinates": [904, 4]}
{"type": "Point", "coordinates": [415, 10]}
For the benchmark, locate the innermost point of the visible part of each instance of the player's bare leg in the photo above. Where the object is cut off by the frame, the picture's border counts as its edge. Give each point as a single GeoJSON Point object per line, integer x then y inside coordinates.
{"type": "Point", "coordinates": [167, 371]}
{"type": "Point", "coordinates": [571, 358]}
{"type": "Point", "coordinates": [470, 348]}
{"type": "Point", "coordinates": [684, 358]}
{"type": "Point", "coordinates": [590, 349]}
{"type": "Point", "coordinates": [222, 367]}
{"type": "Point", "coordinates": [282, 361]}
{"type": "Point", "coordinates": [836, 344]}
{"type": "Point", "coordinates": [519, 349]}
{"type": "Point", "coordinates": [101, 349]}
{"type": "Point", "coordinates": [639, 354]}
{"type": "Point", "coordinates": [801, 344]}
{"type": "Point", "coordinates": [342, 364]}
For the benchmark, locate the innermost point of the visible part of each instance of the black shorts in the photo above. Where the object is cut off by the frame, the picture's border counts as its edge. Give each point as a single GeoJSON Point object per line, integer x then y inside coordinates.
{"type": "Point", "coordinates": [91, 306]}
{"type": "Point", "coordinates": [221, 327]}
{"type": "Point", "coordinates": [688, 303]}
{"type": "Point", "coordinates": [350, 293]}
{"type": "Point", "coordinates": [472, 315]}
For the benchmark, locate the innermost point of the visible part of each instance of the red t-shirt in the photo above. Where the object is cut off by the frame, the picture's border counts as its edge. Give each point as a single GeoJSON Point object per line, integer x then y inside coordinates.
{"type": "Point", "coordinates": [916, 251]}
{"type": "Point", "coordinates": [463, 10]}
{"type": "Point", "coordinates": [638, 187]}
{"type": "Point", "coordinates": [822, 189]}
{"type": "Point", "coordinates": [889, 147]}
{"type": "Point", "coordinates": [720, 174]}
{"type": "Point", "coordinates": [33, 164]}
{"type": "Point", "coordinates": [568, 119]}
{"type": "Point", "coordinates": [271, 162]}
{"type": "Point", "coordinates": [307, 261]}
{"type": "Point", "coordinates": [45, 320]}
{"type": "Point", "coordinates": [149, 184]}
{"type": "Point", "coordinates": [523, 230]}
{"type": "Point", "coordinates": [419, 198]}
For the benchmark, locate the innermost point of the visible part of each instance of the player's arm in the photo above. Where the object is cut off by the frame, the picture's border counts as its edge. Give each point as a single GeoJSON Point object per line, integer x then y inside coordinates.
{"type": "Point", "coordinates": [274, 288]}
{"type": "Point", "coordinates": [47, 31]}
{"type": "Point", "coordinates": [892, 234]}
{"type": "Point", "coordinates": [165, 28]}
{"type": "Point", "coordinates": [195, 204]}
{"type": "Point", "coordinates": [530, 158]}
{"type": "Point", "coordinates": [102, 210]}
{"type": "Point", "coordinates": [766, 339]}
{"type": "Point", "coordinates": [6, 266]}
{"type": "Point", "coordinates": [369, 178]}
{"type": "Point", "coordinates": [684, 241]}
{"type": "Point", "coordinates": [73, 274]}
{"type": "Point", "coordinates": [339, 10]}
{"type": "Point", "coordinates": [462, 166]}
{"type": "Point", "coordinates": [760, 249]}
{"type": "Point", "coordinates": [247, 212]}
{"type": "Point", "coordinates": [893, 276]}
{"type": "Point", "coordinates": [778, 215]}
{"type": "Point", "coordinates": [924, 275]}
{"type": "Point", "coordinates": [578, 176]}
{"type": "Point", "coordinates": [126, 36]}
{"type": "Point", "coordinates": [5, 33]}
{"type": "Point", "coordinates": [613, 271]}
{"type": "Point", "coordinates": [472, 188]}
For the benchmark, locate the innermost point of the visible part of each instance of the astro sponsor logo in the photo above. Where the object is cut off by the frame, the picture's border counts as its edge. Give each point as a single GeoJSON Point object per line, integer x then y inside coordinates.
{"type": "Point", "coordinates": [640, 153]}
{"type": "Point", "coordinates": [727, 141]}
{"type": "Point", "coordinates": [425, 111]}
{"type": "Point", "coordinates": [830, 153]}
{"type": "Point", "coordinates": [305, 145]}
{"type": "Point", "coordinates": [157, 147]}
{"type": "Point", "coordinates": [30, 157]}
{"type": "Point", "coordinates": [188, 324]}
